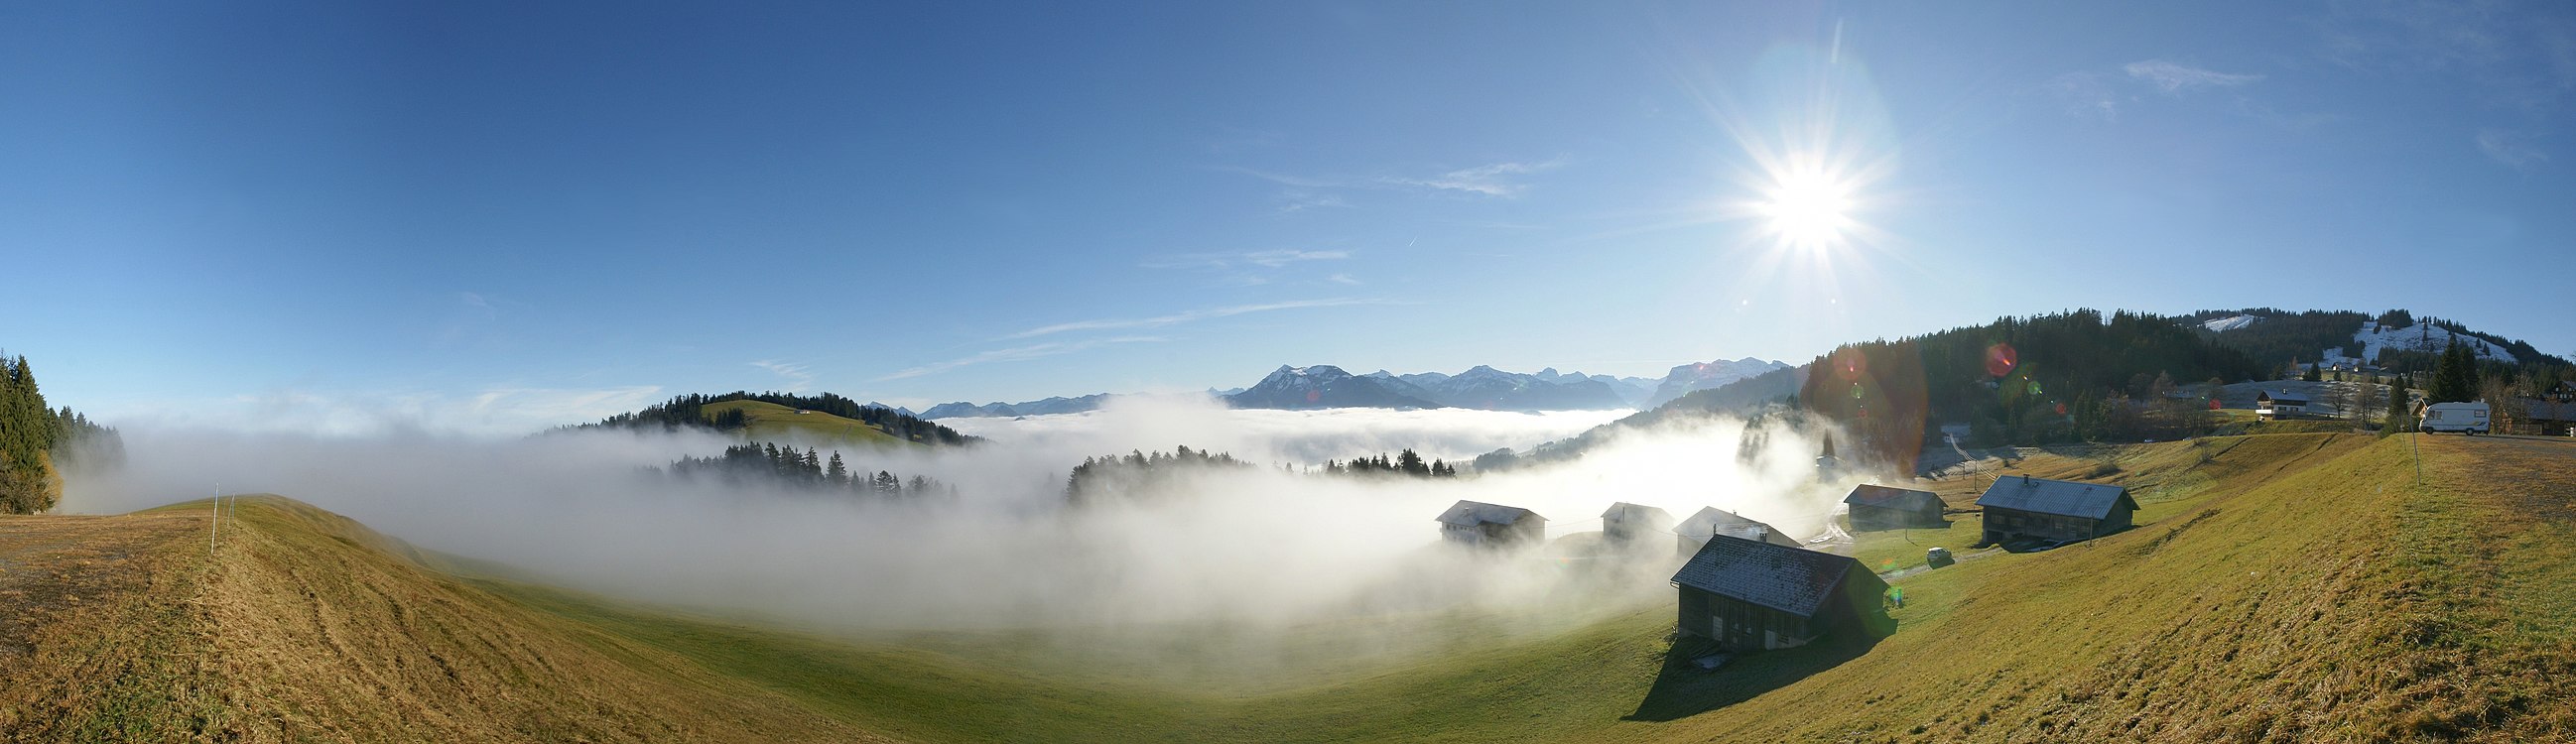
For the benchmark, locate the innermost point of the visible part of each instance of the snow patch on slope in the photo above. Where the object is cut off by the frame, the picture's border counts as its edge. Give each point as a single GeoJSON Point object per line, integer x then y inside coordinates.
{"type": "Point", "coordinates": [2424, 337]}
{"type": "Point", "coordinates": [2231, 323]}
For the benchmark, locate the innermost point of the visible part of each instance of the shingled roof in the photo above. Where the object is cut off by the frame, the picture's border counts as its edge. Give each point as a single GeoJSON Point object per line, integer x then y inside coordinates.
{"type": "Point", "coordinates": [1892, 497]}
{"type": "Point", "coordinates": [2062, 498]}
{"type": "Point", "coordinates": [1792, 580]}
{"type": "Point", "coordinates": [1472, 513]}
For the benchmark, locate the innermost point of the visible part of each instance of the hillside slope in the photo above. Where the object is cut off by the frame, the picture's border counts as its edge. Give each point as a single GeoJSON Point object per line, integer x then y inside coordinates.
{"type": "Point", "coordinates": [304, 625]}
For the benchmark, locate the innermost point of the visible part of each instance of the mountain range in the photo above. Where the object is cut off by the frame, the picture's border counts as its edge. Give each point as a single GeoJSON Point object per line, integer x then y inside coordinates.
{"type": "Point", "coordinates": [1480, 387]}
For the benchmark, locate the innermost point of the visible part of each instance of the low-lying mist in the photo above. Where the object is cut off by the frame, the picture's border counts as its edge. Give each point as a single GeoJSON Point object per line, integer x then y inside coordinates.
{"type": "Point", "coordinates": [1258, 545]}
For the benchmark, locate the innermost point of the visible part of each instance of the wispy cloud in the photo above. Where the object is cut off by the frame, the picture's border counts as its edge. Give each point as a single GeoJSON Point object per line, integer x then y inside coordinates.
{"type": "Point", "coordinates": [1268, 259]}
{"type": "Point", "coordinates": [1343, 279]}
{"type": "Point", "coordinates": [1284, 179]}
{"type": "Point", "coordinates": [2086, 94]}
{"type": "Point", "coordinates": [1501, 180]}
{"type": "Point", "coordinates": [1299, 200]}
{"type": "Point", "coordinates": [1496, 179]}
{"type": "Point", "coordinates": [797, 375]}
{"type": "Point", "coordinates": [1018, 354]}
{"type": "Point", "coordinates": [1159, 321]}
{"type": "Point", "coordinates": [2172, 77]}
{"type": "Point", "coordinates": [2510, 148]}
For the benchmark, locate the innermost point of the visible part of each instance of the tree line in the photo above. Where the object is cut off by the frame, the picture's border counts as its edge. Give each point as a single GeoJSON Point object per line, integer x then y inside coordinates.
{"type": "Point", "coordinates": [2023, 381]}
{"type": "Point", "coordinates": [1140, 471]}
{"type": "Point", "coordinates": [771, 465]}
{"type": "Point", "coordinates": [37, 443]}
{"type": "Point", "coordinates": [1407, 462]}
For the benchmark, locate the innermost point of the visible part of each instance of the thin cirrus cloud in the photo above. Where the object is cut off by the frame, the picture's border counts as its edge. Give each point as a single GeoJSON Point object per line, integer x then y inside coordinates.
{"type": "Point", "coordinates": [1187, 316]}
{"type": "Point", "coordinates": [1502, 180]}
{"type": "Point", "coordinates": [2509, 148]}
{"type": "Point", "coordinates": [798, 376]}
{"type": "Point", "coordinates": [1267, 259]}
{"type": "Point", "coordinates": [2172, 77]}
{"type": "Point", "coordinates": [1017, 354]}
{"type": "Point", "coordinates": [2099, 96]}
{"type": "Point", "coordinates": [1498, 179]}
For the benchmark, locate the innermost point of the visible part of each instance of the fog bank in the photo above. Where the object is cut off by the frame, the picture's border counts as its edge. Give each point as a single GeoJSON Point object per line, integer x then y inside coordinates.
{"type": "Point", "coordinates": [1256, 545]}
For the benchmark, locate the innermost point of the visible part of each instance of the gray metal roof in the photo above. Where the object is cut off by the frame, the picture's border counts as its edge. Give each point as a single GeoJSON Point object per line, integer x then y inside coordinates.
{"type": "Point", "coordinates": [1710, 518]}
{"type": "Point", "coordinates": [1891, 497]}
{"type": "Point", "coordinates": [1792, 580]}
{"type": "Point", "coordinates": [1472, 513]}
{"type": "Point", "coordinates": [1713, 521]}
{"type": "Point", "coordinates": [2063, 498]}
{"type": "Point", "coordinates": [1624, 512]}
{"type": "Point", "coordinates": [2280, 396]}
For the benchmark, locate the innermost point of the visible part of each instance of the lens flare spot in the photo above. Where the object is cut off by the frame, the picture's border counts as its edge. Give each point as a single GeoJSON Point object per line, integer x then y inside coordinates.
{"type": "Point", "coordinates": [2000, 359]}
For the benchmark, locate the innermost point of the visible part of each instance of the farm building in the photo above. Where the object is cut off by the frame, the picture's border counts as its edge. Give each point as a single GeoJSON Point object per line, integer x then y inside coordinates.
{"type": "Point", "coordinates": [1494, 525]}
{"type": "Point", "coordinates": [2026, 508]}
{"type": "Point", "coordinates": [1710, 521]}
{"type": "Point", "coordinates": [2276, 404]}
{"type": "Point", "coordinates": [1875, 507]}
{"type": "Point", "coordinates": [2546, 417]}
{"type": "Point", "coordinates": [1749, 595]}
{"type": "Point", "coordinates": [1625, 521]}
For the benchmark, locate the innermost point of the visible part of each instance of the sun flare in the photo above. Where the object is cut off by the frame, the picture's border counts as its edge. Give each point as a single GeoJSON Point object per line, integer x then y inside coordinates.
{"type": "Point", "coordinates": [1808, 207]}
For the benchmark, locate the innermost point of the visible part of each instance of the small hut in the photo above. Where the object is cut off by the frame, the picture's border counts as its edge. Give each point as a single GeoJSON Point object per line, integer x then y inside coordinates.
{"type": "Point", "coordinates": [1875, 507]}
{"type": "Point", "coordinates": [2027, 508]}
{"type": "Point", "coordinates": [1625, 522]}
{"type": "Point", "coordinates": [1491, 525]}
{"type": "Point", "coordinates": [1711, 521]}
{"type": "Point", "coordinates": [1749, 596]}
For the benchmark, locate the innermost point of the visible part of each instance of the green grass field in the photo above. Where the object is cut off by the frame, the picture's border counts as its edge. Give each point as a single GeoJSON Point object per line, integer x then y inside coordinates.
{"type": "Point", "coordinates": [2287, 587]}
{"type": "Point", "coordinates": [777, 423]}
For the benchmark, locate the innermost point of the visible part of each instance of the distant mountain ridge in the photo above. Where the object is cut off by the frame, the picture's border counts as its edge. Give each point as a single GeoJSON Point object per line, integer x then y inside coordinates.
{"type": "Point", "coordinates": [1687, 378]}
{"type": "Point", "coordinates": [1481, 387]}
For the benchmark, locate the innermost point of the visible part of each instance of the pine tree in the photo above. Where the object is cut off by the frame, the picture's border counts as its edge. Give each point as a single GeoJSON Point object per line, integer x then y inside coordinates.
{"type": "Point", "coordinates": [835, 472]}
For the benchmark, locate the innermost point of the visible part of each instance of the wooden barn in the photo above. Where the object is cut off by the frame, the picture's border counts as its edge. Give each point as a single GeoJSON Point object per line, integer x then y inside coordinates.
{"type": "Point", "coordinates": [1749, 596]}
{"type": "Point", "coordinates": [1491, 525]}
{"type": "Point", "coordinates": [2026, 508]}
{"type": "Point", "coordinates": [1711, 521]}
{"type": "Point", "coordinates": [1625, 522]}
{"type": "Point", "coordinates": [1875, 507]}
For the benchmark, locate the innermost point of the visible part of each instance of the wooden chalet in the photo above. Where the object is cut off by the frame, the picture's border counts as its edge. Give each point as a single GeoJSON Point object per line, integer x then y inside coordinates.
{"type": "Point", "coordinates": [1875, 507]}
{"type": "Point", "coordinates": [1625, 522]}
{"type": "Point", "coordinates": [1711, 521]}
{"type": "Point", "coordinates": [1749, 595]}
{"type": "Point", "coordinates": [1491, 525]}
{"type": "Point", "coordinates": [2272, 404]}
{"type": "Point", "coordinates": [2023, 508]}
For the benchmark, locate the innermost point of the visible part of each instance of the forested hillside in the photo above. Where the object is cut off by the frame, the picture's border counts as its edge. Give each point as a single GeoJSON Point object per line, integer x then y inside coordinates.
{"type": "Point", "coordinates": [38, 442]}
{"type": "Point", "coordinates": [694, 411]}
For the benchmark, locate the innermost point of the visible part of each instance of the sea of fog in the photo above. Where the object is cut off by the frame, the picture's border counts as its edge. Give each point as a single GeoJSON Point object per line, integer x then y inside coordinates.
{"type": "Point", "coordinates": [1264, 544]}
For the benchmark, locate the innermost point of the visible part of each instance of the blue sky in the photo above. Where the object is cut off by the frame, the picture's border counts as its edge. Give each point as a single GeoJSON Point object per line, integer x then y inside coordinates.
{"type": "Point", "coordinates": [488, 217]}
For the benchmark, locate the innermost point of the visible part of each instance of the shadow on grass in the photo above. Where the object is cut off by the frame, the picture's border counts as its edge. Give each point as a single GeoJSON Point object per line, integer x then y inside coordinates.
{"type": "Point", "coordinates": [1682, 690]}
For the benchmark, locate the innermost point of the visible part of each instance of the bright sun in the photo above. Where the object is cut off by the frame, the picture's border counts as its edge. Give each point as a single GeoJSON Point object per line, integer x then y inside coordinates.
{"type": "Point", "coordinates": [1808, 208]}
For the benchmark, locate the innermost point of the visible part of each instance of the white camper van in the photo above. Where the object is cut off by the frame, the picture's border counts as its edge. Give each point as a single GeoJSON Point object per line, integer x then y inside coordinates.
{"type": "Point", "coordinates": [2465, 418]}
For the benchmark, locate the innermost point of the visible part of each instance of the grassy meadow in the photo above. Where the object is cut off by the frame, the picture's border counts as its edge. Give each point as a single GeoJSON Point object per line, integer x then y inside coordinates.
{"type": "Point", "coordinates": [2280, 587]}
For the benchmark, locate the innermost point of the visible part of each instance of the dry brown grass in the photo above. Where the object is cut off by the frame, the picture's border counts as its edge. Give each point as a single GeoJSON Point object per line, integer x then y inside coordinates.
{"type": "Point", "coordinates": [308, 627]}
